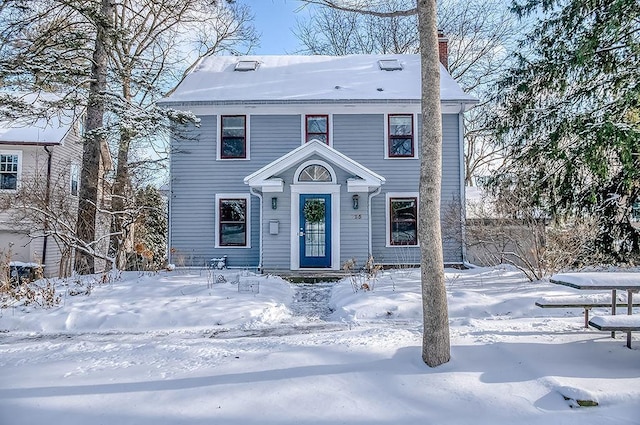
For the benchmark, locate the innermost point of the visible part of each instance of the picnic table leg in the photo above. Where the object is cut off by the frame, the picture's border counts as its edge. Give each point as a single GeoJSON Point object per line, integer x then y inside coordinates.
{"type": "Point", "coordinates": [614, 302]}
{"type": "Point", "coordinates": [629, 312]}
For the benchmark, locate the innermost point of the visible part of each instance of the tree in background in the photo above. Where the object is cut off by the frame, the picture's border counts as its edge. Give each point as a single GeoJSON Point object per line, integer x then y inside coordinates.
{"type": "Point", "coordinates": [481, 36]}
{"type": "Point", "coordinates": [150, 231]}
{"type": "Point", "coordinates": [112, 59]}
{"type": "Point", "coordinates": [436, 348]}
{"type": "Point", "coordinates": [159, 43]}
{"type": "Point", "coordinates": [569, 117]}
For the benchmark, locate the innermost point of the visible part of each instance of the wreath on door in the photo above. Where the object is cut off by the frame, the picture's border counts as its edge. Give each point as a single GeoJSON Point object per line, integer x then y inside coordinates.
{"type": "Point", "coordinates": [314, 210]}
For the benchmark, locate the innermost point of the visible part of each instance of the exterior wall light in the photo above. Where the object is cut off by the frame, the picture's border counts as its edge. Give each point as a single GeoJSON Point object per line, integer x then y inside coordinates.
{"type": "Point", "coordinates": [274, 203]}
{"type": "Point", "coordinates": [355, 199]}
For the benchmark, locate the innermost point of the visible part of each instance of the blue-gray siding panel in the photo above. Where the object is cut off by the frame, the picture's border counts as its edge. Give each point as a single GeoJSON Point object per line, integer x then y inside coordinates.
{"type": "Point", "coordinates": [197, 177]}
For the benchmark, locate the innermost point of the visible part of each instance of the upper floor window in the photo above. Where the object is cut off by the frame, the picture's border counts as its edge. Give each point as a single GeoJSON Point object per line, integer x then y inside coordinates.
{"type": "Point", "coordinates": [400, 137]}
{"type": "Point", "coordinates": [317, 127]}
{"type": "Point", "coordinates": [233, 140]}
{"type": "Point", "coordinates": [9, 166]}
{"type": "Point", "coordinates": [75, 179]}
{"type": "Point", "coordinates": [403, 221]}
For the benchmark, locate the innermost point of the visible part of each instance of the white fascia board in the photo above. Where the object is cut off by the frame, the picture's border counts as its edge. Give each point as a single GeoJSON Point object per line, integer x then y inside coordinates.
{"type": "Point", "coordinates": [361, 185]}
{"type": "Point", "coordinates": [272, 185]}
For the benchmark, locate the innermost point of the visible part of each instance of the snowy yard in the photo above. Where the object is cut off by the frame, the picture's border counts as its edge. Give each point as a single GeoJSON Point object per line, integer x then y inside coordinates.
{"type": "Point", "coordinates": [173, 348]}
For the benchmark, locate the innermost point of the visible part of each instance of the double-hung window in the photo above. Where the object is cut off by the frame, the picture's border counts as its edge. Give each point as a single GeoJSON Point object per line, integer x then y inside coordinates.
{"type": "Point", "coordinates": [232, 222]}
{"type": "Point", "coordinates": [9, 169]}
{"type": "Point", "coordinates": [401, 138]}
{"type": "Point", "coordinates": [317, 128]}
{"type": "Point", "coordinates": [233, 139]}
{"type": "Point", "coordinates": [403, 221]}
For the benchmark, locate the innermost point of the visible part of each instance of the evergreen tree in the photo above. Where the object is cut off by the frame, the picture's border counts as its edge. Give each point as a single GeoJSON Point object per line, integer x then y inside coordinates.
{"type": "Point", "coordinates": [150, 240]}
{"type": "Point", "coordinates": [570, 116]}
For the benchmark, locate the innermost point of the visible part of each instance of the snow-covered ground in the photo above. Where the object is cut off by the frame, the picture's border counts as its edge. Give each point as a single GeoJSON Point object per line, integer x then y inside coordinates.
{"type": "Point", "coordinates": [176, 348]}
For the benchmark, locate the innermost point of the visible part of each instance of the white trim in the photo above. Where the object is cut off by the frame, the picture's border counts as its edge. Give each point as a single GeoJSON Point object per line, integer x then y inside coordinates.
{"type": "Point", "coordinates": [414, 121]}
{"type": "Point", "coordinates": [463, 196]}
{"type": "Point", "coordinates": [334, 191]}
{"type": "Point", "coordinates": [303, 127]}
{"type": "Point", "coordinates": [311, 108]}
{"type": "Point", "coordinates": [19, 173]}
{"type": "Point", "coordinates": [247, 138]}
{"type": "Point", "coordinates": [387, 218]}
{"type": "Point", "coordinates": [219, 196]}
{"type": "Point", "coordinates": [76, 166]}
{"type": "Point", "coordinates": [257, 178]}
{"type": "Point", "coordinates": [305, 164]}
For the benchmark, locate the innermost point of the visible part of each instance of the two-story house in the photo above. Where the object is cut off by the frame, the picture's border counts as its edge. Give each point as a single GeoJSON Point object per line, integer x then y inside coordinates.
{"type": "Point", "coordinates": [40, 164]}
{"type": "Point", "coordinates": [305, 162]}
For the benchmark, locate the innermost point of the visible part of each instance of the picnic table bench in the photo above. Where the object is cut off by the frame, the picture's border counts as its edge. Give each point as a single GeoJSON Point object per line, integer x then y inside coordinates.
{"type": "Point", "coordinates": [622, 323]}
{"type": "Point", "coordinates": [583, 301]}
{"type": "Point", "coordinates": [614, 281]}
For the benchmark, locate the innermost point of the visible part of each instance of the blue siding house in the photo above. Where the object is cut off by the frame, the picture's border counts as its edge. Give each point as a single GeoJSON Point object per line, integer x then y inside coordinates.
{"type": "Point", "coordinates": [304, 162]}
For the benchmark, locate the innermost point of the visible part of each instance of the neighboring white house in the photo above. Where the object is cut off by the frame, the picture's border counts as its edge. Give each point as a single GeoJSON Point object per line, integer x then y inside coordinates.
{"type": "Point", "coordinates": [43, 156]}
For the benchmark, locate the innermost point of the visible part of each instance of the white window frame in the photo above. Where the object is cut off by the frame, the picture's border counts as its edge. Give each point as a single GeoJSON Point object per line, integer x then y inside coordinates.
{"type": "Point", "coordinates": [19, 176]}
{"type": "Point", "coordinates": [247, 138]}
{"type": "Point", "coordinates": [387, 209]}
{"type": "Point", "coordinates": [223, 196]}
{"type": "Point", "coordinates": [303, 136]}
{"type": "Point", "coordinates": [386, 136]}
{"type": "Point", "coordinates": [76, 167]}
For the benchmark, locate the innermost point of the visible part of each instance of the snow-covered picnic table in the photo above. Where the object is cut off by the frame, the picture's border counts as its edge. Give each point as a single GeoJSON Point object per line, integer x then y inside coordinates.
{"type": "Point", "coordinates": [614, 281]}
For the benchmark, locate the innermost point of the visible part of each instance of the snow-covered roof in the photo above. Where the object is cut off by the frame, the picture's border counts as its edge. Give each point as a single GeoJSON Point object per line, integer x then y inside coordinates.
{"type": "Point", "coordinates": [50, 130]}
{"type": "Point", "coordinates": [42, 131]}
{"type": "Point", "coordinates": [310, 78]}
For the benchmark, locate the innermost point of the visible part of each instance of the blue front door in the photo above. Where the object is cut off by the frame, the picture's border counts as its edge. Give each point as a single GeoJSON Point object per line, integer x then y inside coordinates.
{"type": "Point", "coordinates": [315, 230]}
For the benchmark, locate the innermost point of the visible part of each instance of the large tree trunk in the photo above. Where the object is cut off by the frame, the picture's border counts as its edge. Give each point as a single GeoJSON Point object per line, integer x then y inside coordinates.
{"type": "Point", "coordinates": [121, 198]}
{"type": "Point", "coordinates": [436, 348]}
{"type": "Point", "coordinates": [90, 175]}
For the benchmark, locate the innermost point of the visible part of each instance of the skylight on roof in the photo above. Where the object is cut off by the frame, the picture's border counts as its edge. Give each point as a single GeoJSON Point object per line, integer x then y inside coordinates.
{"type": "Point", "coordinates": [389, 65]}
{"type": "Point", "coordinates": [246, 66]}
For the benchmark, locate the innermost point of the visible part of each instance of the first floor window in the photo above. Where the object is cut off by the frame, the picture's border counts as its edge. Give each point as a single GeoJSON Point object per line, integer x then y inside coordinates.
{"type": "Point", "coordinates": [317, 128]}
{"type": "Point", "coordinates": [9, 171]}
{"type": "Point", "coordinates": [400, 136]}
{"type": "Point", "coordinates": [233, 136]}
{"type": "Point", "coordinates": [403, 221]}
{"type": "Point", "coordinates": [233, 222]}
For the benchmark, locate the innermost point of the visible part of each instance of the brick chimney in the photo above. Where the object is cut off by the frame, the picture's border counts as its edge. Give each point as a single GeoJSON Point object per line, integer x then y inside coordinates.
{"type": "Point", "coordinates": [443, 49]}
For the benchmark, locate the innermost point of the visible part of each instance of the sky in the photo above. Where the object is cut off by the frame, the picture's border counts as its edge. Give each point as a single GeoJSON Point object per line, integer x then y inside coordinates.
{"type": "Point", "coordinates": [189, 348]}
{"type": "Point", "coordinates": [275, 19]}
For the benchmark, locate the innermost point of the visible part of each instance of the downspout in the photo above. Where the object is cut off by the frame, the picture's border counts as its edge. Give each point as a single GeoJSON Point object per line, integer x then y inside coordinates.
{"type": "Point", "coordinates": [463, 205]}
{"type": "Point", "coordinates": [47, 199]}
{"type": "Point", "coordinates": [259, 195]}
{"type": "Point", "coordinates": [371, 195]}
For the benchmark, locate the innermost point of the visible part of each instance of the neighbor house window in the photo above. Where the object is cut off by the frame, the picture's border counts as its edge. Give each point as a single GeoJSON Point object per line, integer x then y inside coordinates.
{"type": "Point", "coordinates": [403, 221]}
{"type": "Point", "coordinates": [400, 137]}
{"type": "Point", "coordinates": [75, 178]}
{"type": "Point", "coordinates": [232, 222]}
{"type": "Point", "coordinates": [317, 128]}
{"type": "Point", "coordinates": [233, 140]}
{"type": "Point", "coordinates": [9, 165]}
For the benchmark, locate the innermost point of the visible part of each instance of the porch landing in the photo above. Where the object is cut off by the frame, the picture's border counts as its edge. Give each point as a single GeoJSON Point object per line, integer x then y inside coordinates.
{"type": "Point", "coordinates": [308, 276]}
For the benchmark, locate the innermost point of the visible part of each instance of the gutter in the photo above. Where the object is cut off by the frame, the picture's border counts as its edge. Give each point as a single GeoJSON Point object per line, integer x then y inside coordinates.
{"type": "Point", "coordinates": [463, 204]}
{"type": "Point", "coordinates": [260, 252]}
{"type": "Point", "coordinates": [47, 199]}
{"type": "Point", "coordinates": [371, 195]}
